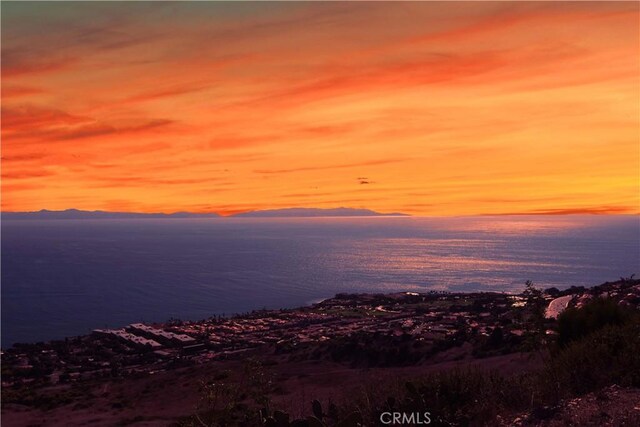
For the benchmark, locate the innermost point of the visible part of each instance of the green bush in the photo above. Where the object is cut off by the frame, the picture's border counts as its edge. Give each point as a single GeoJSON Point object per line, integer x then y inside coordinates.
{"type": "Point", "coordinates": [575, 323]}
{"type": "Point", "coordinates": [600, 347]}
{"type": "Point", "coordinates": [607, 356]}
{"type": "Point", "coordinates": [590, 362]}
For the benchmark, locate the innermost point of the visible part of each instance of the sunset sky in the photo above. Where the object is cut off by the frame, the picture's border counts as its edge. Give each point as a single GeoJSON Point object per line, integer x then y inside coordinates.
{"type": "Point", "coordinates": [425, 108]}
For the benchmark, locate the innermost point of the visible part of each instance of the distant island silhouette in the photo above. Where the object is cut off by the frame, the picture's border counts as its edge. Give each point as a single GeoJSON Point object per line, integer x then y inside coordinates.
{"type": "Point", "coordinates": [313, 212]}
{"type": "Point", "coordinates": [79, 214]}
{"type": "Point", "coordinates": [273, 213]}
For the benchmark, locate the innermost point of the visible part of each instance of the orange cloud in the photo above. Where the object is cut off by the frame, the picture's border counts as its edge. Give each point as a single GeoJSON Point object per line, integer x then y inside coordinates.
{"type": "Point", "coordinates": [11, 91]}
{"type": "Point", "coordinates": [597, 210]}
{"type": "Point", "coordinates": [17, 62]}
{"type": "Point", "coordinates": [34, 117]}
{"type": "Point", "coordinates": [486, 109]}
{"type": "Point", "coordinates": [44, 124]}
{"type": "Point", "coordinates": [328, 167]}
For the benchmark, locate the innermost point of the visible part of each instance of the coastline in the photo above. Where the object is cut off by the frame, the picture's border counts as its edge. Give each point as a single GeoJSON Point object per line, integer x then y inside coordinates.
{"type": "Point", "coordinates": [348, 339]}
{"type": "Point", "coordinates": [359, 308]}
{"type": "Point", "coordinates": [553, 296]}
{"type": "Point", "coordinates": [95, 274]}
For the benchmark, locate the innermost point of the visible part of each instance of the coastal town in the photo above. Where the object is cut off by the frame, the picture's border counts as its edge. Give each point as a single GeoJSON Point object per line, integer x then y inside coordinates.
{"type": "Point", "coordinates": [363, 329]}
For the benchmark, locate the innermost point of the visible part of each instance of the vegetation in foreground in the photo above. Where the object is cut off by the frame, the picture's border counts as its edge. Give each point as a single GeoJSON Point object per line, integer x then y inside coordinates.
{"type": "Point", "coordinates": [592, 347]}
{"type": "Point", "coordinates": [579, 360]}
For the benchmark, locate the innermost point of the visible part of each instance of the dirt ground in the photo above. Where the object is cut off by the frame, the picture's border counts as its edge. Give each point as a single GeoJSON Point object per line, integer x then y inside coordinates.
{"type": "Point", "coordinates": [611, 407]}
{"type": "Point", "coordinates": [162, 398]}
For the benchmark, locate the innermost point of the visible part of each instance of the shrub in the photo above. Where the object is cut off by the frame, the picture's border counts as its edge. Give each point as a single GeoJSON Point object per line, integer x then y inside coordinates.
{"type": "Point", "coordinates": [607, 356]}
{"type": "Point", "coordinates": [575, 323]}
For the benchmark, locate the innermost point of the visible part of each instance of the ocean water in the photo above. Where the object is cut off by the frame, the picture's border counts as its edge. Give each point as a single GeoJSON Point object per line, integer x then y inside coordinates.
{"type": "Point", "coordinates": [63, 278]}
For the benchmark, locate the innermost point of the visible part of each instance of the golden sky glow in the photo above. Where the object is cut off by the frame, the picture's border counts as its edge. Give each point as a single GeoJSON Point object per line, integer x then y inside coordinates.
{"type": "Point", "coordinates": [424, 108]}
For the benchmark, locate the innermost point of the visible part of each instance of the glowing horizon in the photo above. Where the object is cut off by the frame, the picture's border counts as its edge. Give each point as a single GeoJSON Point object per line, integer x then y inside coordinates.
{"type": "Point", "coordinates": [431, 109]}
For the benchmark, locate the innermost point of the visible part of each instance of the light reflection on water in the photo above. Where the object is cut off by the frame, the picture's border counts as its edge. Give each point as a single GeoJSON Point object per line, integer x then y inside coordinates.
{"type": "Point", "coordinates": [519, 225]}
{"type": "Point", "coordinates": [61, 278]}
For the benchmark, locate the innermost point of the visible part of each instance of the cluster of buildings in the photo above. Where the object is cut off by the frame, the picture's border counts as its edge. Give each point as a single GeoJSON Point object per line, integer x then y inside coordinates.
{"type": "Point", "coordinates": [142, 336]}
{"type": "Point", "coordinates": [123, 335]}
{"type": "Point", "coordinates": [432, 318]}
{"type": "Point", "coordinates": [137, 348]}
{"type": "Point", "coordinates": [425, 317]}
{"type": "Point", "coordinates": [165, 337]}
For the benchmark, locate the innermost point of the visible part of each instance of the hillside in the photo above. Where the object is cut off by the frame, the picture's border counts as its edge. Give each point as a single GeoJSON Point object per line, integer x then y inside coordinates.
{"type": "Point", "coordinates": [357, 354]}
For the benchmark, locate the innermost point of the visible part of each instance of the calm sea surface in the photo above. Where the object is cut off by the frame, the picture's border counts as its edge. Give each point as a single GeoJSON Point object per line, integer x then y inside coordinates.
{"type": "Point", "coordinates": [63, 277]}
